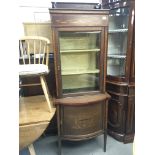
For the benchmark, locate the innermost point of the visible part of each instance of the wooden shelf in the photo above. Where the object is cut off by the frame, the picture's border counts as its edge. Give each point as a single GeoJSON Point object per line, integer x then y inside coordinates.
{"type": "Point", "coordinates": [76, 72]}
{"type": "Point", "coordinates": [116, 56]}
{"type": "Point", "coordinates": [34, 109]}
{"type": "Point", "coordinates": [79, 51]}
{"type": "Point", "coordinates": [118, 31]}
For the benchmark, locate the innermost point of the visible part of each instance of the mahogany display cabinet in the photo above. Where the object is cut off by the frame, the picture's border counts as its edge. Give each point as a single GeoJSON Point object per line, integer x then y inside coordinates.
{"type": "Point", "coordinates": [80, 40]}
{"type": "Point", "coordinates": [120, 82]}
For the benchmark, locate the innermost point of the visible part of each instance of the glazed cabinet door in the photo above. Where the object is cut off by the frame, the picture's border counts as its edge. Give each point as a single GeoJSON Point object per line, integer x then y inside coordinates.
{"type": "Point", "coordinates": [79, 56]}
{"type": "Point", "coordinates": [80, 64]}
{"type": "Point", "coordinates": [117, 42]}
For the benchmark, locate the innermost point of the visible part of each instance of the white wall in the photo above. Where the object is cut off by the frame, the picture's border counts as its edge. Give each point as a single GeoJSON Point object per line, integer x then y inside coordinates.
{"type": "Point", "coordinates": [37, 10]}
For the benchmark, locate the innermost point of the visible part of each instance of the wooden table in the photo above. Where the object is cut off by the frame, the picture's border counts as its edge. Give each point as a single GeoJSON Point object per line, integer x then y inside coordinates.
{"type": "Point", "coordinates": [34, 117]}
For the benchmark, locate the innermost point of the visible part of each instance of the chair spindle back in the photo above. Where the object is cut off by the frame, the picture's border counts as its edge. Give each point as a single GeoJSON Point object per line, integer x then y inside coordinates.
{"type": "Point", "coordinates": [34, 50]}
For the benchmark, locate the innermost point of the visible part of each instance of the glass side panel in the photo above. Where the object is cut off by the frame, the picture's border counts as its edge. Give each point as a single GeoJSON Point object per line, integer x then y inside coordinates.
{"type": "Point", "coordinates": [117, 41]}
{"type": "Point", "coordinates": [79, 53]}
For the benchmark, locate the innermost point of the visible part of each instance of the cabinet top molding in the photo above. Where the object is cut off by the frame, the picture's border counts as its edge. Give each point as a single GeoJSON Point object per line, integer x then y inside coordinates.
{"type": "Point", "coordinates": [76, 17]}
{"type": "Point", "coordinates": [78, 11]}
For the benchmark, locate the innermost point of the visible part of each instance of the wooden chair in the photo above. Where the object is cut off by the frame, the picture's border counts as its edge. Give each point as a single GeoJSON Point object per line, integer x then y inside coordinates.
{"type": "Point", "coordinates": [35, 114]}
{"type": "Point", "coordinates": [34, 58]}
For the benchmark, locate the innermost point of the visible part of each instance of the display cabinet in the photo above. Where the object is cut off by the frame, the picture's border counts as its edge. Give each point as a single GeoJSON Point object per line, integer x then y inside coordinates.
{"type": "Point", "coordinates": [120, 70]}
{"type": "Point", "coordinates": [80, 40]}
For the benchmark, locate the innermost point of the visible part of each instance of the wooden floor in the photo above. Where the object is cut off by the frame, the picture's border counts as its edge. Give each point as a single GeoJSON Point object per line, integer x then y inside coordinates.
{"type": "Point", "coordinates": [34, 117]}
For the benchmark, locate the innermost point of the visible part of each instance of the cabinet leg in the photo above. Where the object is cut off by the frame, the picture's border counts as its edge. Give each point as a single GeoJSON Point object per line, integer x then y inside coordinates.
{"type": "Point", "coordinates": [59, 129]}
{"type": "Point", "coordinates": [105, 140]}
{"type": "Point", "coordinates": [59, 146]}
{"type": "Point", "coordinates": [105, 124]}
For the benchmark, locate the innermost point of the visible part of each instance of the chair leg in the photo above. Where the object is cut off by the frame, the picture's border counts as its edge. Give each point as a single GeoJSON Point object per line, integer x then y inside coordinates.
{"type": "Point", "coordinates": [105, 123]}
{"type": "Point", "coordinates": [46, 91]}
{"type": "Point", "coordinates": [31, 149]}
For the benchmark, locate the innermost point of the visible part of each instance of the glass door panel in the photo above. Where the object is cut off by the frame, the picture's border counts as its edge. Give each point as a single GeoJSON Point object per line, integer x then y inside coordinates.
{"type": "Point", "coordinates": [117, 41]}
{"type": "Point", "coordinates": [79, 52]}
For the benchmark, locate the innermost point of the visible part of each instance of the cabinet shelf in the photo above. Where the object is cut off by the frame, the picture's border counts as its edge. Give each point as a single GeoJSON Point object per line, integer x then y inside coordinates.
{"type": "Point", "coordinates": [76, 72]}
{"type": "Point", "coordinates": [79, 50]}
{"type": "Point", "coordinates": [117, 56]}
{"type": "Point", "coordinates": [118, 31]}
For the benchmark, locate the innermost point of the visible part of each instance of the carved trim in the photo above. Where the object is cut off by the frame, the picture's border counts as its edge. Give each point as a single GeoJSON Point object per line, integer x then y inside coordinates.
{"type": "Point", "coordinates": [117, 136]}
{"type": "Point", "coordinates": [121, 137]}
{"type": "Point", "coordinates": [119, 116]}
{"type": "Point", "coordinates": [129, 138]}
{"type": "Point", "coordinates": [82, 137]}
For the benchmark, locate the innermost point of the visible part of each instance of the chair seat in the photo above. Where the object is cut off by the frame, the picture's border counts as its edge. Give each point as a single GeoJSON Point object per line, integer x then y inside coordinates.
{"type": "Point", "coordinates": [33, 69]}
